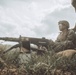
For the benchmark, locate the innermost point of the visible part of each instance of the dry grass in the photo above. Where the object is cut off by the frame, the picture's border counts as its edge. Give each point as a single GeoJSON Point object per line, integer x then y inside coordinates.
{"type": "Point", "coordinates": [44, 64]}
{"type": "Point", "coordinates": [48, 65]}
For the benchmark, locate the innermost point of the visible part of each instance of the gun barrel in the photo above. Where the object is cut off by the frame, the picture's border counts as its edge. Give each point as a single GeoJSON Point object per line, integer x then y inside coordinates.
{"type": "Point", "coordinates": [9, 39]}
{"type": "Point", "coordinates": [37, 41]}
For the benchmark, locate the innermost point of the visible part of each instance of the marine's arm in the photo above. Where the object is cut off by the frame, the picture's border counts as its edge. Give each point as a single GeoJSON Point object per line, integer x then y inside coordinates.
{"type": "Point", "coordinates": [70, 38]}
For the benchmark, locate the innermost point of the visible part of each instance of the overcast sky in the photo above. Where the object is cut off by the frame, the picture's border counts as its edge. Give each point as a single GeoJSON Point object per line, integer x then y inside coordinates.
{"type": "Point", "coordinates": [34, 18]}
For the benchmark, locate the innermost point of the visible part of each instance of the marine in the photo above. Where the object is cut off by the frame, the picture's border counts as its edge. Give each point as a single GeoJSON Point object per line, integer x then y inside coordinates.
{"type": "Point", "coordinates": [65, 39]}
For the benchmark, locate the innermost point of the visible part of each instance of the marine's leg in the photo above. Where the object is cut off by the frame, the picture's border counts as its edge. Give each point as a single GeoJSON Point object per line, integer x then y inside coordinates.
{"type": "Point", "coordinates": [63, 46]}
{"type": "Point", "coordinates": [59, 48]}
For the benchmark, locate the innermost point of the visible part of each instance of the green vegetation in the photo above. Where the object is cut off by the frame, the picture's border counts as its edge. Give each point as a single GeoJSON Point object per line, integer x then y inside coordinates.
{"type": "Point", "coordinates": [36, 64]}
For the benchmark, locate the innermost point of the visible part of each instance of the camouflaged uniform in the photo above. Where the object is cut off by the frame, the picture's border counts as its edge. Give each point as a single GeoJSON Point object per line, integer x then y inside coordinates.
{"type": "Point", "coordinates": [65, 40]}
{"type": "Point", "coordinates": [74, 4]}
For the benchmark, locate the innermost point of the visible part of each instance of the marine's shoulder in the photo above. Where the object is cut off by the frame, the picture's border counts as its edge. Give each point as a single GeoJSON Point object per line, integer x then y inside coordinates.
{"type": "Point", "coordinates": [71, 31]}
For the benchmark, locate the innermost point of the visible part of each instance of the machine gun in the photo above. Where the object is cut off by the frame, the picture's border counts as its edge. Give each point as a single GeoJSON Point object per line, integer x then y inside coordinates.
{"type": "Point", "coordinates": [26, 41]}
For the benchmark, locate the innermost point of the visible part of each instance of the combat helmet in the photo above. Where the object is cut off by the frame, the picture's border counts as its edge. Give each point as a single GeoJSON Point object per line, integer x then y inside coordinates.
{"type": "Point", "coordinates": [64, 22]}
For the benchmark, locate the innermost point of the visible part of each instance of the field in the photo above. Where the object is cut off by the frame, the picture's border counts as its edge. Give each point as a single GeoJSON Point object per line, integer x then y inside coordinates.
{"type": "Point", "coordinates": [16, 63]}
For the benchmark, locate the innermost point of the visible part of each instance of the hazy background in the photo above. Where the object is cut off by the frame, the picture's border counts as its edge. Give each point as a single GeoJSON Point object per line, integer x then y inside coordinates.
{"type": "Point", "coordinates": [34, 18]}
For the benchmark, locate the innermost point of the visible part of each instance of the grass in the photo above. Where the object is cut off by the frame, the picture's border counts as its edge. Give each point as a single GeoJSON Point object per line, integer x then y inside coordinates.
{"type": "Point", "coordinates": [45, 63]}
